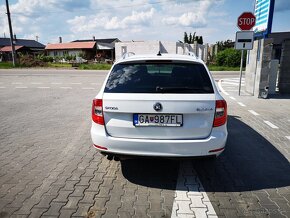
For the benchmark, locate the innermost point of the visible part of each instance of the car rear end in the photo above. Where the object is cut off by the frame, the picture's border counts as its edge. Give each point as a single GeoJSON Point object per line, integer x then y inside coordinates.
{"type": "Point", "coordinates": [159, 106]}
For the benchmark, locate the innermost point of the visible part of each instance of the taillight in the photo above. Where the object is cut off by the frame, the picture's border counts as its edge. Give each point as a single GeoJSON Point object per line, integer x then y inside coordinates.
{"type": "Point", "coordinates": [220, 117]}
{"type": "Point", "coordinates": [97, 111]}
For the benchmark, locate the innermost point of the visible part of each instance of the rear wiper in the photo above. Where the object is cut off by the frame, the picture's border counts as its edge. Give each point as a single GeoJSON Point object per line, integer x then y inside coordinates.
{"type": "Point", "coordinates": [179, 89]}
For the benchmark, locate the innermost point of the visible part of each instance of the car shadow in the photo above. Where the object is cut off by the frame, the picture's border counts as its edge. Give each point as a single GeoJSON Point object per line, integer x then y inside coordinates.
{"type": "Point", "coordinates": [250, 162]}
{"type": "Point", "coordinates": [151, 172]}
{"type": "Point", "coordinates": [279, 96]}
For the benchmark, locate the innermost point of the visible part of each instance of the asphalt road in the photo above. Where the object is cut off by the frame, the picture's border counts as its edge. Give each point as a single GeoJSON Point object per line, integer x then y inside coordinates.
{"type": "Point", "coordinates": [49, 168]}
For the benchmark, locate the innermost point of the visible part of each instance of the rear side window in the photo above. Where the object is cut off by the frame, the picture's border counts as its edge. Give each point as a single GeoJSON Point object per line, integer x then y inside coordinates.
{"type": "Point", "coordinates": [159, 78]}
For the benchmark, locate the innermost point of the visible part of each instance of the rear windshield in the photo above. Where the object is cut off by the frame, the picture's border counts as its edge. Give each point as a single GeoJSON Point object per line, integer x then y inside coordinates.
{"type": "Point", "coordinates": [159, 78]}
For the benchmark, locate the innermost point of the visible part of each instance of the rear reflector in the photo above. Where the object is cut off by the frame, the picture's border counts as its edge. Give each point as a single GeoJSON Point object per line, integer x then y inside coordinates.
{"type": "Point", "coordinates": [220, 117]}
{"type": "Point", "coordinates": [216, 150]}
{"type": "Point", "coordinates": [100, 147]}
{"type": "Point", "coordinates": [97, 111]}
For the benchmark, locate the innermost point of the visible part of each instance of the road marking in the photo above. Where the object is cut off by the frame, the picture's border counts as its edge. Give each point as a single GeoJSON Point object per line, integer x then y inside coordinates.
{"type": "Point", "coordinates": [221, 88]}
{"type": "Point", "coordinates": [254, 112]}
{"type": "Point", "coordinates": [76, 83]}
{"type": "Point", "coordinates": [43, 87]}
{"type": "Point", "coordinates": [231, 83]}
{"type": "Point", "coordinates": [88, 88]}
{"type": "Point", "coordinates": [36, 83]}
{"type": "Point", "coordinates": [16, 83]}
{"type": "Point", "coordinates": [271, 124]}
{"type": "Point", "coordinates": [55, 83]}
{"type": "Point", "coordinates": [240, 103]}
{"type": "Point", "coordinates": [234, 80]}
{"type": "Point", "coordinates": [20, 87]}
{"type": "Point", "coordinates": [190, 199]}
{"type": "Point", "coordinates": [288, 137]}
{"type": "Point", "coordinates": [232, 98]}
{"type": "Point", "coordinates": [64, 87]}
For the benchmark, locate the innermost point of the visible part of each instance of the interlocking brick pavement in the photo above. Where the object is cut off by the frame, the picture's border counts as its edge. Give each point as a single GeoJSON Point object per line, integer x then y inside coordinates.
{"type": "Point", "coordinates": [48, 167]}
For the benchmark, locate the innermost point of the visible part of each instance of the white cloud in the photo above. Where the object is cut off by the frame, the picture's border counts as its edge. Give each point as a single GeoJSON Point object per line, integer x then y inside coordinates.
{"type": "Point", "coordinates": [198, 18]}
{"type": "Point", "coordinates": [91, 23]}
{"type": "Point", "coordinates": [126, 19]}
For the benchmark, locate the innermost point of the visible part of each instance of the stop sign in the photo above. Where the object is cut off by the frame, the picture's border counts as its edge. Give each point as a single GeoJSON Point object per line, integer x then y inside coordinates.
{"type": "Point", "coordinates": [246, 21]}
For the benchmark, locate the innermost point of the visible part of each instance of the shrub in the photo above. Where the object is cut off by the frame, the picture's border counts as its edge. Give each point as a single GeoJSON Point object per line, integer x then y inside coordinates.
{"type": "Point", "coordinates": [30, 61]}
{"type": "Point", "coordinates": [229, 57]}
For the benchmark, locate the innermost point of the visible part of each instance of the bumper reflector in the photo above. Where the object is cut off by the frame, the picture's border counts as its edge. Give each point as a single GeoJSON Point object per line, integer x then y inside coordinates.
{"type": "Point", "coordinates": [100, 147]}
{"type": "Point", "coordinates": [216, 150]}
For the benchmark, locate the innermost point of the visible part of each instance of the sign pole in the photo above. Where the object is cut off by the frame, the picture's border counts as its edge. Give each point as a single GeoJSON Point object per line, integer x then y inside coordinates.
{"type": "Point", "coordinates": [241, 71]}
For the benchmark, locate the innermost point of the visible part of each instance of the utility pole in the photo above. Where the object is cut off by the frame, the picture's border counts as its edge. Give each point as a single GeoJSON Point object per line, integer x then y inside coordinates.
{"type": "Point", "coordinates": [11, 34]}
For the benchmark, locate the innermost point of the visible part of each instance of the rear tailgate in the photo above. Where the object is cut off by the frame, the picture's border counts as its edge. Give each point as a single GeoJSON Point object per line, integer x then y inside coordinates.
{"type": "Point", "coordinates": [197, 111]}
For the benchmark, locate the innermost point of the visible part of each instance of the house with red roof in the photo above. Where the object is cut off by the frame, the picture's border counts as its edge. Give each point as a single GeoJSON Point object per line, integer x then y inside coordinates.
{"type": "Point", "coordinates": [23, 46]}
{"type": "Point", "coordinates": [85, 49]}
{"type": "Point", "coordinates": [89, 49]}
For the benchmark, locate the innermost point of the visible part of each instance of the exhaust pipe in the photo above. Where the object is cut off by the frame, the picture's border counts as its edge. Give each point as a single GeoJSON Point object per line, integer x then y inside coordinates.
{"type": "Point", "coordinates": [110, 157]}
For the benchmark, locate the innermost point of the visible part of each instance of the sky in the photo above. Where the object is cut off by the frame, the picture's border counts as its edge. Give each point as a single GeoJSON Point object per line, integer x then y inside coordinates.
{"type": "Point", "coordinates": [128, 20]}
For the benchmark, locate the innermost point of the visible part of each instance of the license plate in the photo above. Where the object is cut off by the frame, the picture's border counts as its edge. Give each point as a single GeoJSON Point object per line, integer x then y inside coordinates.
{"type": "Point", "coordinates": [157, 119]}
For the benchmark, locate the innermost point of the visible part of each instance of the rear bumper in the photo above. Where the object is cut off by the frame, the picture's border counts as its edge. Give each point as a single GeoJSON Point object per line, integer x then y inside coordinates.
{"type": "Point", "coordinates": [213, 145]}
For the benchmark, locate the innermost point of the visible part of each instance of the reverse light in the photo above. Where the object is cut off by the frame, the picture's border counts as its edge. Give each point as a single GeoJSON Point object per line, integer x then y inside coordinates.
{"type": "Point", "coordinates": [97, 111]}
{"type": "Point", "coordinates": [220, 117]}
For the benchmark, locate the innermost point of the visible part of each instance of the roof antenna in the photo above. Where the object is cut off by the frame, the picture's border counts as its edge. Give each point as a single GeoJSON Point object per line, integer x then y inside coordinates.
{"type": "Point", "coordinates": [159, 54]}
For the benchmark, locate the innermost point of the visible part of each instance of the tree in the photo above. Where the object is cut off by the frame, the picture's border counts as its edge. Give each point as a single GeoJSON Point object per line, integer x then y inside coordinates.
{"type": "Point", "coordinates": [193, 37]}
{"type": "Point", "coordinates": [185, 38]}
{"type": "Point", "coordinates": [200, 40]}
{"type": "Point", "coordinates": [222, 45]}
{"type": "Point", "coordinates": [190, 38]}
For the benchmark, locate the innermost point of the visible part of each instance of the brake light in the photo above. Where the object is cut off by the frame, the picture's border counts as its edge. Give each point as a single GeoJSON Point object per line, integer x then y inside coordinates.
{"type": "Point", "coordinates": [97, 111]}
{"type": "Point", "coordinates": [220, 117]}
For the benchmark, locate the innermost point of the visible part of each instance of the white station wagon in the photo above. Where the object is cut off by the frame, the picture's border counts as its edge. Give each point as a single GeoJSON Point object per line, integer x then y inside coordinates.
{"type": "Point", "coordinates": [163, 105]}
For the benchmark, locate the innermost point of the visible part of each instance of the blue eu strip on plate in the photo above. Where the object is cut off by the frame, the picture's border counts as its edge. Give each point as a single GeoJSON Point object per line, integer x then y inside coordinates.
{"type": "Point", "coordinates": [135, 119]}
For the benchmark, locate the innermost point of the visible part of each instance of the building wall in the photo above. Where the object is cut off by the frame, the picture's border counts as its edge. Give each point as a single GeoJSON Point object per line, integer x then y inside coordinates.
{"type": "Point", "coordinates": [62, 52]}
{"type": "Point", "coordinates": [284, 75]}
{"type": "Point", "coordinates": [148, 47]}
{"type": "Point", "coordinates": [151, 47]}
{"type": "Point", "coordinates": [258, 66]}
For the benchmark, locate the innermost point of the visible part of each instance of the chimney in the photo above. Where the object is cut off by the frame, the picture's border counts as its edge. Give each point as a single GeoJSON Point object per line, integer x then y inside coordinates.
{"type": "Point", "coordinates": [60, 39]}
{"type": "Point", "coordinates": [94, 38]}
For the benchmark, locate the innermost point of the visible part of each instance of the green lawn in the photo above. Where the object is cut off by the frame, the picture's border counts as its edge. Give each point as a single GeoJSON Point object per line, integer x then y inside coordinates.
{"type": "Point", "coordinates": [6, 65]}
{"type": "Point", "coordinates": [223, 68]}
{"type": "Point", "coordinates": [95, 66]}
{"type": "Point", "coordinates": [59, 65]}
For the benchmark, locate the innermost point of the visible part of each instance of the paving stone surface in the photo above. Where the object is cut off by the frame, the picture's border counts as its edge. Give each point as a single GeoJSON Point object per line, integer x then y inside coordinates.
{"type": "Point", "coordinates": [48, 167]}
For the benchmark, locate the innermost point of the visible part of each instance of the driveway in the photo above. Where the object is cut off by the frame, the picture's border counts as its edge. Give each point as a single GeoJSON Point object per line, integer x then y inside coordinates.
{"type": "Point", "coordinates": [48, 167]}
